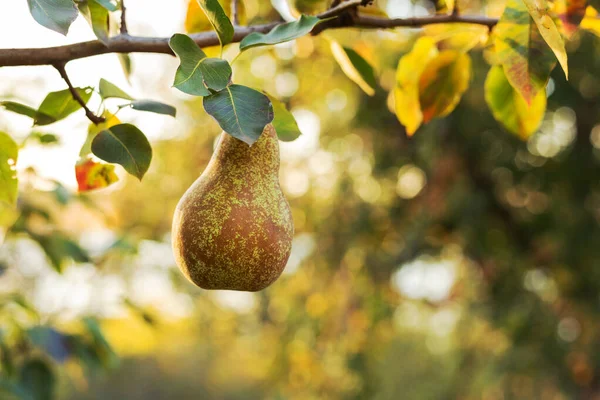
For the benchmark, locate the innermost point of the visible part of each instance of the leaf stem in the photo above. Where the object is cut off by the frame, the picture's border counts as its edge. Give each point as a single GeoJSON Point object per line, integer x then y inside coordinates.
{"type": "Point", "coordinates": [88, 113]}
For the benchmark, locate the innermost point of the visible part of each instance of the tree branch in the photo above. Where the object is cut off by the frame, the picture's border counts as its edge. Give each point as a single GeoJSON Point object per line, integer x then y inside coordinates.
{"type": "Point", "coordinates": [88, 113]}
{"type": "Point", "coordinates": [134, 44]}
{"type": "Point", "coordinates": [235, 19]}
{"type": "Point", "coordinates": [123, 18]}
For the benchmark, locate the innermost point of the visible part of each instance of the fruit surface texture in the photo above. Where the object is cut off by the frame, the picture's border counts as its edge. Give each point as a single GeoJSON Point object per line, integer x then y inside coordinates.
{"type": "Point", "coordinates": [233, 228]}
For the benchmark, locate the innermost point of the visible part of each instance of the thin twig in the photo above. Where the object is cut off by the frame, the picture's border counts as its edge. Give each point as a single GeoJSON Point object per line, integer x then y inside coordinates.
{"type": "Point", "coordinates": [88, 113]}
{"type": "Point", "coordinates": [456, 9]}
{"type": "Point", "coordinates": [123, 18]}
{"type": "Point", "coordinates": [340, 8]}
{"type": "Point", "coordinates": [136, 44]}
{"type": "Point", "coordinates": [235, 18]}
{"type": "Point", "coordinates": [373, 22]}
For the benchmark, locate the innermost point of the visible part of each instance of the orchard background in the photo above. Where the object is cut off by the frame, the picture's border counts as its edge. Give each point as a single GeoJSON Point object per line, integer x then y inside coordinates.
{"type": "Point", "coordinates": [444, 183]}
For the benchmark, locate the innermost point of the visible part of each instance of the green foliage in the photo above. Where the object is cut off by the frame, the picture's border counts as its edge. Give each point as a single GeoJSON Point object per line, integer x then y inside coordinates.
{"type": "Point", "coordinates": [523, 223]}
{"type": "Point", "coordinates": [241, 111]}
{"type": "Point", "coordinates": [20, 109]}
{"type": "Point", "coordinates": [60, 249]}
{"type": "Point", "coordinates": [108, 90]}
{"type": "Point", "coordinates": [107, 4]}
{"type": "Point", "coordinates": [284, 122]}
{"type": "Point", "coordinates": [97, 16]}
{"type": "Point", "coordinates": [59, 105]}
{"type": "Point", "coordinates": [218, 19]}
{"type": "Point", "coordinates": [153, 106]}
{"type": "Point", "coordinates": [57, 15]}
{"type": "Point", "coordinates": [9, 152]}
{"type": "Point", "coordinates": [126, 145]}
{"type": "Point", "coordinates": [197, 73]}
{"type": "Point", "coordinates": [508, 106]}
{"type": "Point", "coordinates": [37, 379]}
{"type": "Point", "coordinates": [281, 33]}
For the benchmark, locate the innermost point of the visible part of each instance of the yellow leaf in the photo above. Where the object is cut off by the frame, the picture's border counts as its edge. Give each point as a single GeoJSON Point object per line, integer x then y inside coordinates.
{"type": "Point", "coordinates": [508, 106]}
{"type": "Point", "coordinates": [196, 21]}
{"type": "Point", "coordinates": [406, 91]}
{"type": "Point", "coordinates": [548, 30]}
{"type": "Point", "coordinates": [442, 83]}
{"type": "Point", "coordinates": [526, 57]}
{"type": "Point", "coordinates": [457, 36]}
{"type": "Point", "coordinates": [591, 21]}
{"type": "Point", "coordinates": [355, 67]}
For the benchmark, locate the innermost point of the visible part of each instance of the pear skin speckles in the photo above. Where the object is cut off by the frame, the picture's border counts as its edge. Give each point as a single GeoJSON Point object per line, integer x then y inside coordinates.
{"type": "Point", "coordinates": [233, 227]}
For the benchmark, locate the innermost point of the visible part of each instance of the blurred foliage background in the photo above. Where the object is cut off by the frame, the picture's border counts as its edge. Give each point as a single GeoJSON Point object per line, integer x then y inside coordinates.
{"type": "Point", "coordinates": [462, 263]}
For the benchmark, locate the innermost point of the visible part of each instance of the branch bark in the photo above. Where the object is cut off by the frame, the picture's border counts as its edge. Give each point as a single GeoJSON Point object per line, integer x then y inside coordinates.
{"type": "Point", "coordinates": [125, 43]}
{"type": "Point", "coordinates": [235, 19]}
{"type": "Point", "coordinates": [123, 18]}
{"type": "Point", "coordinates": [88, 113]}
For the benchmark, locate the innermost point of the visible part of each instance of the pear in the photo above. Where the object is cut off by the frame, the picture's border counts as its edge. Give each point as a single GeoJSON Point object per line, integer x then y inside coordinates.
{"type": "Point", "coordinates": [233, 227]}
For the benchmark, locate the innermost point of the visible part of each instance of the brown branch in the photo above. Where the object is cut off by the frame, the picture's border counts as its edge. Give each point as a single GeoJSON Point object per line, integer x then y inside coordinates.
{"type": "Point", "coordinates": [235, 19]}
{"type": "Point", "coordinates": [88, 113]}
{"type": "Point", "coordinates": [136, 44]}
{"type": "Point", "coordinates": [123, 18]}
{"type": "Point", "coordinates": [373, 22]}
{"type": "Point", "coordinates": [337, 9]}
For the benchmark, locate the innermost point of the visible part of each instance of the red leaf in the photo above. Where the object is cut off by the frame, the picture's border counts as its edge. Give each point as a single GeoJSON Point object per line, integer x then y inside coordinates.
{"type": "Point", "coordinates": [92, 175]}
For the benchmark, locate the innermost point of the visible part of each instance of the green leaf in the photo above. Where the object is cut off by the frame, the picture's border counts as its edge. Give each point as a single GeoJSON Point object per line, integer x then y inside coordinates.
{"type": "Point", "coordinates": [508, 106]}
{"type": "Point", "coordinates": [103, 351]}
{"type": "Point", "coordinates": [284, 122]}
{"type": "Point", "coordinates": [57, 15]}
{"type": "Point", "coordinates": [27, 111]}
{"type": "Point", "coordinates": [59, 105]}
{"type": "Point", "coordinates": [9, 152]}
{"type": "Point", "coordinates": [125, 145]}
{"type": "Point", "coordinates": [281, 33]}
{"type": "Point", "coordinates": [355, 67]}
{"type": "Point", "coordinates": [37, 379]}
{"type": "Point", "coordinates": [520, 48]}
{"type": "Point", "coordinates": [19, 108]}
{"type": "Point", "coordinates": [442, 83]}
{"type": "Point", "coordinates": [6, 359]}
{"type": "Point", "coordinates": [197, 73]}
{"type": "Point", "coordinates": [107, 4]}
{"type": "Point", "coordinates": [218, 19]}
{"type": "Point", "coordinates": [43, 138]}
{"type": "Point", "coordinates": [97, 16]}
{"type": "Point", "coordinates": [240, 111]}
{"type": "Point", "coordinates": [59, 248]}
{"type": "Point", "coordinates": [125, 61]}
{"type": "Point", "coordinates": [51, 341]}
{"type": "Point", "coordinates": [152, 106]}
{"type": "Point", "coordinates": [108, 90]}
{"type": "Point", "coordinates": [93, 130]}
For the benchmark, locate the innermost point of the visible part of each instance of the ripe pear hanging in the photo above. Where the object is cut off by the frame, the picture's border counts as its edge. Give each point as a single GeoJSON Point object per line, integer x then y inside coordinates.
{"type": "Point", "coordinates": [233, 227]}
